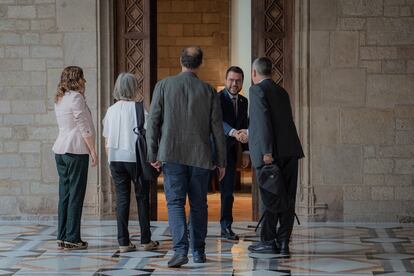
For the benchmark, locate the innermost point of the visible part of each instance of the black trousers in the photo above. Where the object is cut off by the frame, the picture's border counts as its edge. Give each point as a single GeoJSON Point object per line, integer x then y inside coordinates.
{"type": "Point", "coordinates": [227, 189]}
{"type": "Point", "coordinates": [73, 175]}
{"type": "Point", "coordinates": [122, 174]}
{"type": "Point", "coordinates": [289, 169]}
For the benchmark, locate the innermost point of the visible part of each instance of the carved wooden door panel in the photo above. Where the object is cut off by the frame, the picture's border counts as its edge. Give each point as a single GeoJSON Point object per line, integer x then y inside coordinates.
{"type": "Point", "coordinates": [136, 42]}
{"type": "Point", "coordinates": [272, 35]}
{"type": "Point", "coordinates": [272, 32]}
{"type": "Point", "coordinates": [136, 52]}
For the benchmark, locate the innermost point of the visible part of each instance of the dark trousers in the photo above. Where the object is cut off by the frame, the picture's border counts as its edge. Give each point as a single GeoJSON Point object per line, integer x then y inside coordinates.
{"type": "Point", "coordinates": [122, 174]}
{"type": "Point", "coordinates": [227, 188]}
{"type": "Point", "coordinates": [73, 174]}
{"type": "Point", "coordinates": [289, 169]}
{"type": "Point", "coordinates": [180, 181]}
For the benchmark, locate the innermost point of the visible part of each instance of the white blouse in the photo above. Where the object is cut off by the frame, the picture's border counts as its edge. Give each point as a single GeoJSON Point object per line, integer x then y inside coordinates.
{"type": "Point", "coordinates": [118, 125]}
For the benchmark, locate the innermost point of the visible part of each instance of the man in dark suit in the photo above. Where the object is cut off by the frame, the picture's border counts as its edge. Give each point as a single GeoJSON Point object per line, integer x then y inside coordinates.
{"type": "Point", "coordinates": [273, 138]}
{"type": "Point", "coordinates": [185, 117]}
{"type": "Point", "coordinates": [235, 123]}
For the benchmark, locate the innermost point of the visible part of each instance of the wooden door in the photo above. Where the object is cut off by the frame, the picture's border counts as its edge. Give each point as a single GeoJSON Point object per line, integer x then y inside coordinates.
{"type": "Point", "coordinates": [136, 52]}
{"type": "Point", "coordinates": [272, 36]}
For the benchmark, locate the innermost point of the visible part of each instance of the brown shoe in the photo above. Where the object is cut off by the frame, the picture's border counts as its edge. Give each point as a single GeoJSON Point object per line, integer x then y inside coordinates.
{"type": "Point", "coordinates": [150, 246]}
{"type": "Point", "coordinates": [127, 248]}
{"type": "Point", "coordinates": [76, 245]}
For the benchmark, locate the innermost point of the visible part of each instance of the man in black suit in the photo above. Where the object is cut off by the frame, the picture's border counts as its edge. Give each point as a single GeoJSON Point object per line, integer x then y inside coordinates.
{"type": "Point", "coordinates": [273, 138]}
{"type": "Point", "coordinates": [235, 123]}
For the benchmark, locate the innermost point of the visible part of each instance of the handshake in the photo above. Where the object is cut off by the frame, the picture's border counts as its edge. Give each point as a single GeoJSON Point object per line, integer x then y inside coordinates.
{"type": "Point", "coordinates": [241, 135]}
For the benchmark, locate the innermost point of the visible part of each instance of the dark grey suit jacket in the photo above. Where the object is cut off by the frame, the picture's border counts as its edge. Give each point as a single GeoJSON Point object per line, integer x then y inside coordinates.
{"type": "Point", "coordinates": [185, 112]}
{"type": "Point", "coordinates": [271, 127]}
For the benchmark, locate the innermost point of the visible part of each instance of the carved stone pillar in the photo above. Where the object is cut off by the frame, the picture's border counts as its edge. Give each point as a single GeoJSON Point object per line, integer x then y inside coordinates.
{"type": "Point", "coordinates": [305, 206]}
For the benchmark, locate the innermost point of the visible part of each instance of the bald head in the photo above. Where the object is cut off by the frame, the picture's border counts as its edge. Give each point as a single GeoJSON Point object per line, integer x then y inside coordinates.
{"type": "Point", "coordinates": [191, 57]}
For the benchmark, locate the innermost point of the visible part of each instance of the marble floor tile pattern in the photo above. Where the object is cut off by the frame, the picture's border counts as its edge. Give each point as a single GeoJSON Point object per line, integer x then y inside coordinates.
{"type": "Point", "coordinates": [28, 248]}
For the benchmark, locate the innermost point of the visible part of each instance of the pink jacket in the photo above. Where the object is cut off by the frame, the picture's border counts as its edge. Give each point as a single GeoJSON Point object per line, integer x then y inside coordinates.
{"type": "Point", "coordinates": [75, 122]}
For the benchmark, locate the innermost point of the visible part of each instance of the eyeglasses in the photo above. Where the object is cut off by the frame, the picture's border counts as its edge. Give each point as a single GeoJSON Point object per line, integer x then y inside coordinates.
{"type": "Point", "coordinates": [238, 81]}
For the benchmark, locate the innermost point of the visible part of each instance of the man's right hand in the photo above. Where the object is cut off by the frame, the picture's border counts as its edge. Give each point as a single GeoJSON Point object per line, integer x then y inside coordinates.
{"type": "Point", "coordinates": [156, 165]}
{"type": "Point", "coordinates": [221, 172]}
{"type": "Point", "coordinates": [240, 136]}
{"type": "Point", "coordinates": [267, 159]}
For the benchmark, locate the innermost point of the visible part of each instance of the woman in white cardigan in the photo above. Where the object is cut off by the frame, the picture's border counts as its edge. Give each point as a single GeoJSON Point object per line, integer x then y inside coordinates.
{"type": "Point", "coordinates": [118, 125]}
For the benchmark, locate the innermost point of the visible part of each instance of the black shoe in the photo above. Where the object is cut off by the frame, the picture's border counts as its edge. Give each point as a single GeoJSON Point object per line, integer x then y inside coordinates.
{"type": "Point", "coordinates": [264, 247]}
{"type": "Point", "coordinates": [199, 258]}
{"type": "Point", "coordinates": [177, 260]}
{"type": "Point", "coordinates": [229, 234]}
{"type": "Point", "coordinates": [284, 248]}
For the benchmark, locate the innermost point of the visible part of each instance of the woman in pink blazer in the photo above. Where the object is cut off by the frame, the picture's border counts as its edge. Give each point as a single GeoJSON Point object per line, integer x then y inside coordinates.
{"type": "Point", "coordinates": [73, 146]}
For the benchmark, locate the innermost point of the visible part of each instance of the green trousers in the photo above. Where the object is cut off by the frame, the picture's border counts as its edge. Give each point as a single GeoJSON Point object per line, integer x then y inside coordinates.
{"type": "Point", "coordinates": [73, 175]}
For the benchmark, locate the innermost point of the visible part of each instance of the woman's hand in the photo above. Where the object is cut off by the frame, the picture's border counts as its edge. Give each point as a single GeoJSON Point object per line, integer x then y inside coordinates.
{"type": "Point", "coordinates": [94, 159]}
{"type": "Point", "coordinates": [156, 165]}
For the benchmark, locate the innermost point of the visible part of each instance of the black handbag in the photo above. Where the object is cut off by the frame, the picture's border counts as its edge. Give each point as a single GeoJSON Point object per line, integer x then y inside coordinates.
{"type": "Point", "coordinates": [146, 171]}
{"type": "Point", "coordinates": [272, 188]}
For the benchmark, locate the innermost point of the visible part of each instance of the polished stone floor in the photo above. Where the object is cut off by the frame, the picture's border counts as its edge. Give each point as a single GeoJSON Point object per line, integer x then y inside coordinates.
{"type": "Point", "coordinates": [28, 248]}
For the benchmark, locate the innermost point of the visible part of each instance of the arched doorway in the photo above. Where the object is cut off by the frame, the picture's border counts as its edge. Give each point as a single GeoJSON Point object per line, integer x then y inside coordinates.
{"type": "Point", "coordinates": [136, 47]}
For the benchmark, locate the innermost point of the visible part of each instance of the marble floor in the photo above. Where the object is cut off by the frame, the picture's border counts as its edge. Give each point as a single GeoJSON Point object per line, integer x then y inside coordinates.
{"type": "Point", "coordinates": [28, 248]}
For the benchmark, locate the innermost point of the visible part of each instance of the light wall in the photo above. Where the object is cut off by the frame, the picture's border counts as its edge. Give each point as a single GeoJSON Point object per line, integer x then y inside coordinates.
{"type": "Point", "coordinates": [240, 39]}
{"type": "Point", "coordinates": [362, 109]}
{"type": "Point", "coordinates": [37, 40]}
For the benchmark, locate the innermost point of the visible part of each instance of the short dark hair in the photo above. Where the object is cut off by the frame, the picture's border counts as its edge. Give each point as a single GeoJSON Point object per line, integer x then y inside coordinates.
{"type": "Point", "coordinates": [235, 69]}
{"type": "Point", "coordinates": [191, 57]}
{"type": "Point", "coordinates": [263, 66]}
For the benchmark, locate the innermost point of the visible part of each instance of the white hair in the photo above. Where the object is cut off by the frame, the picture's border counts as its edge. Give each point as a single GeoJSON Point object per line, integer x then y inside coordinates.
{"type": "Point", "coordinates": [126, 87]}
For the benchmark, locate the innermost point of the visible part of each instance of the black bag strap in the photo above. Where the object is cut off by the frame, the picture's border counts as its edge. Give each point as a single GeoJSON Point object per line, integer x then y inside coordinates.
{"type": "Point", "coordinates": [139, 112]}
{"type": "Point", "coordinates": [262, 217]}
{"type": "Point", "coordinates": [139, 130]}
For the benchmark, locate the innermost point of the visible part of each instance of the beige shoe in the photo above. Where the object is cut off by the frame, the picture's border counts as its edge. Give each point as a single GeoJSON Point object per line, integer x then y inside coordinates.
{"type": "Point", "coordinates": [60, 244]}
{"type": "Point", "coordinates": [150, 246]}
{"type": "Point", "coordinates": [76, 246]}
{"type": "Point", "coordinates": [127, 248]}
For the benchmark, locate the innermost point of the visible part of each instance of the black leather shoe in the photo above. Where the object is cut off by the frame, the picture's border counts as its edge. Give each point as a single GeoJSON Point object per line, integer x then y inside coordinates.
{"type": "Point", "coordinates": [200, 259]}
{"type": "Point", "coordinates": [284, 248]}
{"type": "Point", "coordinates": [177, 260]}
{"type": "Point", "coordinates": [264, 247]}
{"type": "Point", "coordinates": [229, 234]}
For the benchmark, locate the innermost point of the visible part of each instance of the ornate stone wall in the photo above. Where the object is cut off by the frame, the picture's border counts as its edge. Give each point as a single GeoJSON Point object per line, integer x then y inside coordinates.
{"type": "Point", "coordinates": [38, 38]}
{"type": "Point", "coordinates": [362, 108]}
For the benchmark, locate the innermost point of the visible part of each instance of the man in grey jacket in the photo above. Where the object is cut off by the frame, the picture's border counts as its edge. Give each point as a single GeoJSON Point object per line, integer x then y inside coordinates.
{"type": "Point", "coordinates": [185, 118]}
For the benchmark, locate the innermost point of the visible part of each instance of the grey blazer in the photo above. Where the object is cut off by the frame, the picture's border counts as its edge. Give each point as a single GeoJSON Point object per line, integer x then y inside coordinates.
{"type": "Point", "coordinates": [185, 123]}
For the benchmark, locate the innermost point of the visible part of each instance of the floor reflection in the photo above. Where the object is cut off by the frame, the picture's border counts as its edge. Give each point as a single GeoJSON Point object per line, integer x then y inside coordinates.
{"type": "Point", "coordinates": [317, 249]}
